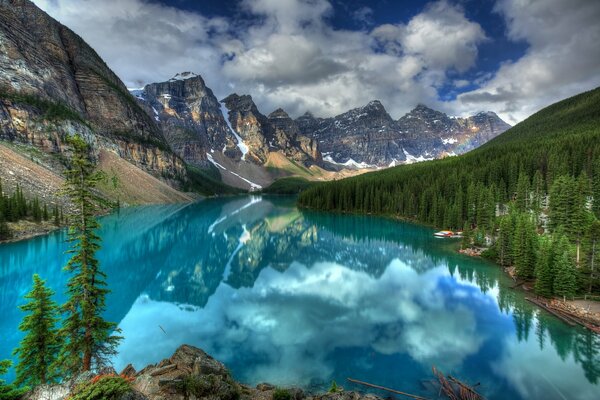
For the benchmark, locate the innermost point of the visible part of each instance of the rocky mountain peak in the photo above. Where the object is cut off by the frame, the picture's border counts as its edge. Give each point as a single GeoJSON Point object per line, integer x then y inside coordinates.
{"type": "Point", "coordinates": [190, 117]}
{"type": "Point", "coordinates": [422, 111]}
{"type": "Point", "coordinates": [279, 113]}
{"type": "Point", "coordinates": [375, 105]}
{"type": "Point", "coordinates": [243, 103]}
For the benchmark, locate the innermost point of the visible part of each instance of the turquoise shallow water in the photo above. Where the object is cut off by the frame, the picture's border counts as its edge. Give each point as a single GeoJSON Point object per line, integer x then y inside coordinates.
{"type": "Point", "coordinates": [302, 298]}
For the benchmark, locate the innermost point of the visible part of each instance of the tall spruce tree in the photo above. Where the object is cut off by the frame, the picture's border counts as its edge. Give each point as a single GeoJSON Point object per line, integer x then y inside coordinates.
{"type": "Point", "coordinates": [522, 193]}
{"type": "Point", "coordinates": [504, 242]}
{"type": "Point", "coordinates": [525, 246]}
{"type": "Point", "coordinates": [544, 281]}
{"type": "Point", "coordinates": [39, 348]}
{"type": "Point", "coordinates": [596, 188]}
{"type": "Point", "coordinates": [565, 281]}
{"type": "Point", "coordinates": [594, 237]}
{"type": "Point", "coordinates": [89, 337]}
{"type": "Point", "coordinates": [580, 217]}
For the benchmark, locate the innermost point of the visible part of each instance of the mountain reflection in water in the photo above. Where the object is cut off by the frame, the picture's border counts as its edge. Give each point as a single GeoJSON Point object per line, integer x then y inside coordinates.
{"type": "Point", "coordinates": [301, 298]}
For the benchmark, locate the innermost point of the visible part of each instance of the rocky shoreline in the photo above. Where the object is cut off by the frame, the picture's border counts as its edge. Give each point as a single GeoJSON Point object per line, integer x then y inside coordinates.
{"type": "Point", "coordinates": [190, 373]}
{"type": "Point", "coordinates": [24, 230]}
{"type": "Point", "coordinates": [577, 310]}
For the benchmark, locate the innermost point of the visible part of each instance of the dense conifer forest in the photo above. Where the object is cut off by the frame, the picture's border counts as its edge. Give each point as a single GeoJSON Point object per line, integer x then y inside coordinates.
{"type": "Point", "coordinates": [531, 196]}
{"type": "Point", "coordinates": [15, 207]}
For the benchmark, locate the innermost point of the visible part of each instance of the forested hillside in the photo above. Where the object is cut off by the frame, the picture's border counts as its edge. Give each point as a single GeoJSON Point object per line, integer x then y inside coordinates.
{"type": "Point", "coordinates": [532, 195]}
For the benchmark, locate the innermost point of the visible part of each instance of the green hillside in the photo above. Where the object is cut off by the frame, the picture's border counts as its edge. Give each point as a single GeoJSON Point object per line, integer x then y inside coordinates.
{"type": "Point", "coordinates": [543, 175]}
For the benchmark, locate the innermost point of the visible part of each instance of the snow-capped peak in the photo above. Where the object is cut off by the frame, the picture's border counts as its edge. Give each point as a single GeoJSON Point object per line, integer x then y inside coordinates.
{"type": "Point", "coordinates": [183, 76]}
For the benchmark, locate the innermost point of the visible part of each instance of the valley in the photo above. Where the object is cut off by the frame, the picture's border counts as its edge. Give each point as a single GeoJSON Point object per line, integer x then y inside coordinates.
{"type": "Point", "coordinates": [262, 182]}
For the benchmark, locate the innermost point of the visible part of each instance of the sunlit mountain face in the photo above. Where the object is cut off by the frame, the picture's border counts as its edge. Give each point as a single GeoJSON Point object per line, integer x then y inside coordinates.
{"type": "Point", "coordinates": [301, 298]}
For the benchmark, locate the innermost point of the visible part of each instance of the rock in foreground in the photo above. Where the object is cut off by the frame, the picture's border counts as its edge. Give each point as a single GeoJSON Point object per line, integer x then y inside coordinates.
{"type": "Point", "coordinates": [190, 374]}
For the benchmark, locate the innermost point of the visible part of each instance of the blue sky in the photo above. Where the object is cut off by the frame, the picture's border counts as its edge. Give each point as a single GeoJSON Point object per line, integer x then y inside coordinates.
{"type": "Point", "coordinates": [327, 56]}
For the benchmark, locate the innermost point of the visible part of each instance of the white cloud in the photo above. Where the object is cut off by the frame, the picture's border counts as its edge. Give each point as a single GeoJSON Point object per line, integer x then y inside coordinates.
{"type": "Point", "coordinates": [562, 60]}
{"type": "Point", "coordinates": [441, 36]}
{"type": "Point", "coordinates": [292, 322]}
{"type": "Point", "coordinates": [521, 363]}
{"type": "Point", "coordinates": [290, 56]}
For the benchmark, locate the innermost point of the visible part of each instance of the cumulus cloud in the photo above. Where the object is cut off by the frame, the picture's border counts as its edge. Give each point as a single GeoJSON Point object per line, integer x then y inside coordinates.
{"type": "Point", "coordinates": [441, 37]}
{"type": "Point", "coordinates": [287, 53]}
{"type": "Point", "coordinates": [562, 59]}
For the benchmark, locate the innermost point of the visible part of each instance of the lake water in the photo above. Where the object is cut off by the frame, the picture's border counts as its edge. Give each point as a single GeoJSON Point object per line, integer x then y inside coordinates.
{"type": "Point", "coordinates": [302, 298]}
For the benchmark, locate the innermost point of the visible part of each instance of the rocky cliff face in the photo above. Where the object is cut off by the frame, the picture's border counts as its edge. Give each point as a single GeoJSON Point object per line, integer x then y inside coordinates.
{"type": "Point", "coordinates": [360, 137]}
{"type": "Point", "coordinates": [277, 132]}
{"type": "Point", "coordinates": [435, 134]}
{"type": "Point", "coordinates": [53, 84]}
{"type": "Point", "coordinates": [368, 136]}
{"type": "Point", "coordinates": [190, 117]}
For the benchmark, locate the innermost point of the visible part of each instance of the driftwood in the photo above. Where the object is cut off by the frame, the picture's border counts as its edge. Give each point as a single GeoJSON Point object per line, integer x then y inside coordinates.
{"type": "Point", "coordinates": [447, 386]}
{"type": "Point", "coordinates": [386, 389]}
{"type": "Point", "coordinates": [561, 316]}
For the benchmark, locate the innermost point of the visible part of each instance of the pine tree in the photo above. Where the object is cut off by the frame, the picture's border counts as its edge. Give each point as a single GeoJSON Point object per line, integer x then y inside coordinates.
{"type": "Point", "coordinates": [543, 270]}
{"type": "Point", "coordinates": [565, 282]}
{"type": "Point", "coordinates": [524, 249]}
{"type": "Point", "coordinates": [580, 217]}
{"type": "Point", "coordinates": [55, 216]}
{"type": "Point", "coordinates": [596, 188]}
{"type": "Point", "coordinates": [505, 234]}
{"type": "Point", "coordinates": [90, 340]}
{"type": "Point", "coordinates": [594, 234]}
{"type": "Point", "coordinates": [9, 391]}
{"type": "Point", "coordinates": [467, 236]}
{"type": "Point", "coordinates": [4, 229]}
{"type": "Point", "coordinates": [39, 348]}
{"type": "Point", "coordinates": [45, 213]}
{"type": "Point", "coordinates": [522, 195]}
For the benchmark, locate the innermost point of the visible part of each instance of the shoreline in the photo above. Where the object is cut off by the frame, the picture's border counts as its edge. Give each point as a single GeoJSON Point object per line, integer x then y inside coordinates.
{"type": "Point", "coordinates": [26, 230]}
{"type": "Point", "coordinates": [569, 310]}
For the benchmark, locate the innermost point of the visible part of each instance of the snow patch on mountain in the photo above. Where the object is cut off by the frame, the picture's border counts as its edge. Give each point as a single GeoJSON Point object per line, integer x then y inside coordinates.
{"type": "Point", "coordinates": [182, 76]}
{"type": "Point", "coordinates": [240, 142]}
{"type": "Point", "coordinates": [253, 186]}
{"type": "Point", "coordinates": [410, 159]}
{"type": "Point", "coordinates": [349, 163]}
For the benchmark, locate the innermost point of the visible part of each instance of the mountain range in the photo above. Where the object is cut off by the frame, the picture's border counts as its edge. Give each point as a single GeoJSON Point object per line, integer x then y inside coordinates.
{"type": "Point", "coordinates": [201, 129]}
{"type": "Point", "coordinates": [159, 141]}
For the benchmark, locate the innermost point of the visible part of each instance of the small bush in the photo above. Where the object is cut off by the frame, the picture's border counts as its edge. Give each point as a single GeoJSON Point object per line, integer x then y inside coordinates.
{"type": "Point", "coordinates": [102, 387]}
{"type": "Point", "coordinates": [210, 385]}
{"type": "Point", "coordinates": [334, 388]}
{"type": "Point", "coordinates": [282, 394]}
{"type": "Point", "coordinates": [491, 253]}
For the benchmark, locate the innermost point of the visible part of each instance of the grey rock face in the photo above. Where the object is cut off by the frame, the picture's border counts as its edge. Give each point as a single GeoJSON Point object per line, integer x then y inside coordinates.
{"type": "Point", "coordinates": [368, 134]}
{"type": "Point", "coordinates": [277, 132]}
{"type": "Point", "coordinates": [364, 135]}
{"type": "Point", "coordinates": [190, 117]}
{"type": "Point", "coordinates": [42, 59]}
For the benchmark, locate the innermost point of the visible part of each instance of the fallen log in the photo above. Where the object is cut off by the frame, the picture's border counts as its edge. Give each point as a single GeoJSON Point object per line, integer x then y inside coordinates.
{"type": "Point", "coordinates": [465, 392]}
{"type": "Point", "coordinates": [386, 389]}
{"type": "Point", "coordinates": [558, 315]}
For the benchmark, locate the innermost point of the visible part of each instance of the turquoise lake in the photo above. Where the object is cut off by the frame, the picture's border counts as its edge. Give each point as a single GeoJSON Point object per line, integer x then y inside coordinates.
{"type": "Point", "coordinates": [299, 298]}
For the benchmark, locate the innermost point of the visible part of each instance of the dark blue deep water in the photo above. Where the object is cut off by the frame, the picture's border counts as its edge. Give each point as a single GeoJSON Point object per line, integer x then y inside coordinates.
{"type": "Point", "coordinates": [302, 298]}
